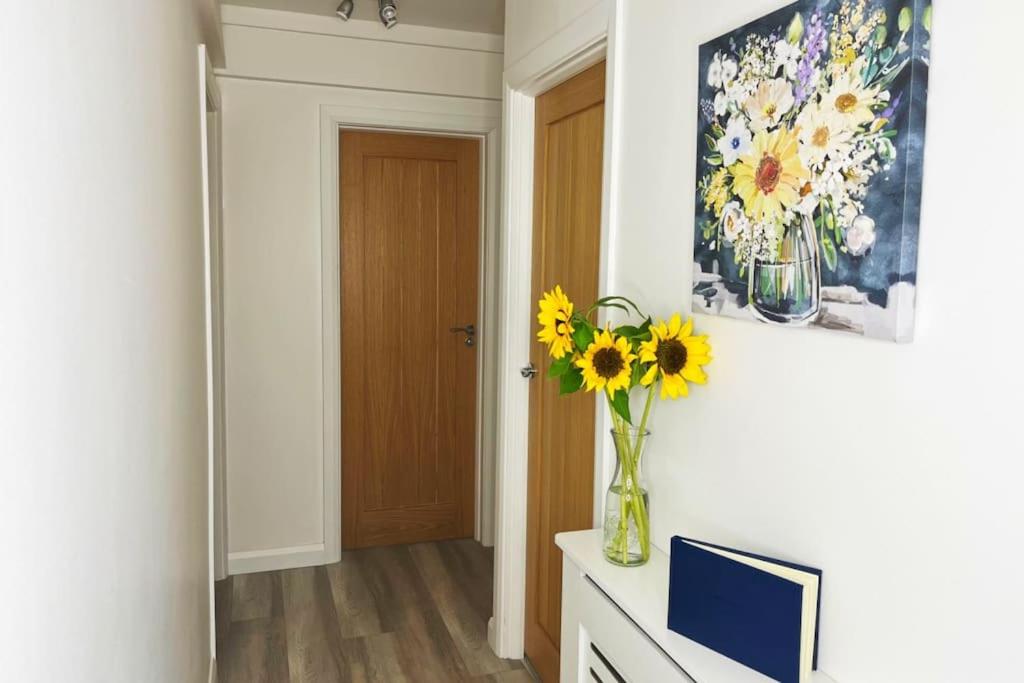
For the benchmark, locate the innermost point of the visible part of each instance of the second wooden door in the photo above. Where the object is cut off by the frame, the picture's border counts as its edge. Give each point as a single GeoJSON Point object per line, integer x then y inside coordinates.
{"type": "Point", "coordinates": [409, 229]}
{"type": "Point", "coordinates": [566, 239]}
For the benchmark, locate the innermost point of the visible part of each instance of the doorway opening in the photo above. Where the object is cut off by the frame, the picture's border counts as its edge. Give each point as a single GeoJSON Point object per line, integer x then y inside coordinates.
{"type": "Point", "coordinates": [412, 593]}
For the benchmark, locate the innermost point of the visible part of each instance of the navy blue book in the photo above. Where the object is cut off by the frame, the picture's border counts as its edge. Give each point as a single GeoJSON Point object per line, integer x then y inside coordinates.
{"type": "Point", "coordinates": [756, 610]}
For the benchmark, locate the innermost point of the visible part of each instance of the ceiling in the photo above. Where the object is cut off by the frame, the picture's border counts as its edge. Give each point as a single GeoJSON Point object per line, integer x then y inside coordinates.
{"type": "Point", "coordinates": [482, 16]}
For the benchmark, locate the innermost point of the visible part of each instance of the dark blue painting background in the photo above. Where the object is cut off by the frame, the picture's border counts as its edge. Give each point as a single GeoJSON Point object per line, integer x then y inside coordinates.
{"type": "Point", "coordinates": [894, 196]}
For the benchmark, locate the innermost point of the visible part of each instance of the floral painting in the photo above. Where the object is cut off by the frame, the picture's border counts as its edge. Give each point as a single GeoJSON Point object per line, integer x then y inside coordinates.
{"type": "Point", "coordinates": [810, 149]}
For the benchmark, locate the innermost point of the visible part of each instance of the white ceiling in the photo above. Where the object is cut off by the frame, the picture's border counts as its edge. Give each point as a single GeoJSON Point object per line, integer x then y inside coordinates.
{"type": "Point", "coordinates": [482, 16]}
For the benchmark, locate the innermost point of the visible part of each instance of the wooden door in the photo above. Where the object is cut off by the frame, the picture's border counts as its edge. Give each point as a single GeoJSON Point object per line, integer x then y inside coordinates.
{"type": "Point", "coordinates": [409, 235]}
{"type": "Point", "coordinates": [566, 251]}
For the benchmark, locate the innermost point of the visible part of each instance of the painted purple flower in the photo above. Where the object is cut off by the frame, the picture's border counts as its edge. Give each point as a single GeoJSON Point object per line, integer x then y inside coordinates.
{"type": "Point", "coordinates": [814, 46]}
{"type": "Point", "coordinates": [893, 106]}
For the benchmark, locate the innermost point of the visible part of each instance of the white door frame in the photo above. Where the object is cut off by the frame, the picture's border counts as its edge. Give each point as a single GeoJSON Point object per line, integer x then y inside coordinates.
{"type": "Point", "coordinates": [210, 134]}
{"type": "Point", "coordinates": [438, 116]}
{"type": "Point", "coordinates": [584, 42]}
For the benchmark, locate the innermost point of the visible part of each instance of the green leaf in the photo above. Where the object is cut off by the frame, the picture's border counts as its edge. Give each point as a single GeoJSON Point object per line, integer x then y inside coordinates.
{"type": "Point", "coordinates": [571, 381]}
{"type": "Point", "coordinates": [605, 301]}
{"type": "Point", "coordinates": [926, 20]}
{"type": "Point", "coordinates": [583, 335]}
{"type": "Point", "coordinates": [906, 19]}
{"type": "Point", "coordinates": [608, 304]}
{"type": "Point", "coordinates": [796, 29]}
{"type": "Point", "coordinates": [638, 373]}
{"type": "Point", "coordinates": [620, 404]}
{"type": "Point", "coordinates": [627, 331]}
{"type": "Point", "coordinates": [708, 229]}
{"type": "Point", "coordinates": [886, 54]}
{"type": "Point", "coordinates": [829, 249]}
{"type": "Point", "coordinates": [881, 33]}
{"type": "Point", "coordinates": [560, 366]}
{"type": "Point", "coordinates": [712, 143]}
{"type": "Point", "coordinates": [714, 159]}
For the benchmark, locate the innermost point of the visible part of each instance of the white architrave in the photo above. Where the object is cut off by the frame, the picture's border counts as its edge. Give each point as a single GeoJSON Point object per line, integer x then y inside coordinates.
{"type": "Point", "coordinates": [584, 42]}
{"type": "Point", "coordinates": [377, 112]}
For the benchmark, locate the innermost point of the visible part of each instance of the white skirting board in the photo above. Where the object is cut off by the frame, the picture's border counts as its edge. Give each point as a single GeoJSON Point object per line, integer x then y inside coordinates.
{"type": "Point", "coordinates": [248, 562]}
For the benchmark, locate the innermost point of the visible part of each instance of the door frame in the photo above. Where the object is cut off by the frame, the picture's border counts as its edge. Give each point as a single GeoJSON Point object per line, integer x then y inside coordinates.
{"type": "Point", "coordinates": [587, 40]}
{"type": "Point", "coordinates": [213, 281]}
{"type": "Point", "coordinates": [448, 116]}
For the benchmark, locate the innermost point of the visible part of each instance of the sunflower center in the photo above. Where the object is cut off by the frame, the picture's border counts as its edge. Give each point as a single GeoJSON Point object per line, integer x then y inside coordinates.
{"type": "Point", "coordinates": [846, 102]}
{"type": "Point", "coordinates": [820, 137]}
{"type": "Point", "coordinates": [562, 325]}
{"type": "Point", "coordinates": [608, 362]}
{"type": "Point", "coordinates": [768, 173]}
{"type": "Point", "coordinates": [671, 355]}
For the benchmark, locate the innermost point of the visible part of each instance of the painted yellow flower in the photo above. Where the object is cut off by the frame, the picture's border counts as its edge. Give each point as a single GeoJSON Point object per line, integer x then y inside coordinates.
{"type": "Point", "coordinates": [555, 320]}
{"type": "Point", "coordinates": [768, 180]}
{"type": "Point", "coordinates": [676, 356]}
{"type": "Point", "coordinates": [717, 195]}
{"type": "Point", "coordinates": [607, 363]}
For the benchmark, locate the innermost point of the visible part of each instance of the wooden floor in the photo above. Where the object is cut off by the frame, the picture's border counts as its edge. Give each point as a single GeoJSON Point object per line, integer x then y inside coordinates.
{"type": "Point", "coordinates": [400, 613]}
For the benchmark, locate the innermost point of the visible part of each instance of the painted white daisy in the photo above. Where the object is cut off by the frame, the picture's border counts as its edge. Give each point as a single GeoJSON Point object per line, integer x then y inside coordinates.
{"type": "Point", "coordinates": [849, 98]}
{"type": "Point", "coordinates": [823, 134]}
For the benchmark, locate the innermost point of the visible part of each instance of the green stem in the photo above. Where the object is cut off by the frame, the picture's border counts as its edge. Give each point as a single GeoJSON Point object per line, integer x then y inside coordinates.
{"type": "Point", "coordinates": [629, 461]}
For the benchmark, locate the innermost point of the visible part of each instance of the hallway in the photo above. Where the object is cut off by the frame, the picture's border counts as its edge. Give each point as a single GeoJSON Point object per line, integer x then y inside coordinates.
{"type": "Point", "coordinates": [398, 613]}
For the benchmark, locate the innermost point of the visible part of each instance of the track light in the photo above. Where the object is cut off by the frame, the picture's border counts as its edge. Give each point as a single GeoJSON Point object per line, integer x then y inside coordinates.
{"type": "Point", "coordinates": [345, 10]}
{"type": "Point", "coordinates": [388, 13]}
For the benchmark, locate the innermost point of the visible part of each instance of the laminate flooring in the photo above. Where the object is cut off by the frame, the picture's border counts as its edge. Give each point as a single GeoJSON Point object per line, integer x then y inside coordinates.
{"type": "Point", "coordinates": [399, 613]}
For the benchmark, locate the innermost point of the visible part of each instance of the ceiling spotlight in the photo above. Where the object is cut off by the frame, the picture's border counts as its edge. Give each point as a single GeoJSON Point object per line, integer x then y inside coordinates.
{"type": "Point", "coordinates": [345, 10]}
{"type": "Point", "coordinates": [388, 13]}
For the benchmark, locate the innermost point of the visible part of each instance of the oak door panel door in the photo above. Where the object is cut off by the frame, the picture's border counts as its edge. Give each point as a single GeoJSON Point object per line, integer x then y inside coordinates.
{"type": "Point", "coordinates": [409, 260]}
{"type": "Point", "coordinates": [566, 251]}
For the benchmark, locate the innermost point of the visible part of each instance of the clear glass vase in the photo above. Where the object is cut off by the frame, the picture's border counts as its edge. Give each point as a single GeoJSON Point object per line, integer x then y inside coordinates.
{"type": "Point", "coordinates": [787, 291]}
{"type": "Point", "coordinates": [627, 511]}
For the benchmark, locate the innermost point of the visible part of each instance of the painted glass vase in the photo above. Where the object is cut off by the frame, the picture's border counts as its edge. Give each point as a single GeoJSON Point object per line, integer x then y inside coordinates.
{"type": "Point", "coordinates": [787, 290]}
{"type": "Point", "coordinates": [627, 511]}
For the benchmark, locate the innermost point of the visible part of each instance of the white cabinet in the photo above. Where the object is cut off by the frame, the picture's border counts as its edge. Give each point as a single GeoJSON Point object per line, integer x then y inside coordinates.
{"type": "Point", "coordinates": [614, 624]}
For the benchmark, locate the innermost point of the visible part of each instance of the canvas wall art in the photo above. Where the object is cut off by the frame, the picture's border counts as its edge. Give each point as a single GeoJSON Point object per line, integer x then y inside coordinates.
{"type": "Point", "coordinates": [811, 130]}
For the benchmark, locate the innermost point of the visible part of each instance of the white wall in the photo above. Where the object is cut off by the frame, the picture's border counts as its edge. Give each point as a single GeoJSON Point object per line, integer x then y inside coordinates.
{"type": "Point", "coordinates": [896, 469]}
{"type": "Point", "coordinates": [528, 23]}
{"type": "Point", "coordinates": [272, 235]}
{"type": "Point", "coordinates": [103, 462]}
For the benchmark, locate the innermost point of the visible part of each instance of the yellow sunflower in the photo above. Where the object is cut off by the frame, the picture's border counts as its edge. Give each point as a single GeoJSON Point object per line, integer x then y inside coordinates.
{"type": "Point", "coordinates": [555, 322]}
{"type": "Point", "coordinates": [676, 356]}
{"type": "Point", "coordinates": [607, 363]}
{"type": "Point", "coordinates": [768, 180]}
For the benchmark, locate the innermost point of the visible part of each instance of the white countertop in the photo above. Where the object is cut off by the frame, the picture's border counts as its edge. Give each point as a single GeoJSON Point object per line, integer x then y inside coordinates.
{"type": "Point", "coordinates": [642, 593]}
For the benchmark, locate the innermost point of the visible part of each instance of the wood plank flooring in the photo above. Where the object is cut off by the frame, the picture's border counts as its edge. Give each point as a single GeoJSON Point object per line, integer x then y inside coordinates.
{"type": "Point", "coordinates": [393, 614]}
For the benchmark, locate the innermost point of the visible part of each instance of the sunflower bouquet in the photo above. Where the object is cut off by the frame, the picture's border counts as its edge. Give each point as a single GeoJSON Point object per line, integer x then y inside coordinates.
{"type": "Point", "coordinates": [614, 361]}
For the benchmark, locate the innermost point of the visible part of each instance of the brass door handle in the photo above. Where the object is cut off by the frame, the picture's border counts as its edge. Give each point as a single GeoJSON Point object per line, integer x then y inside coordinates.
{"type": "Point", "coordinates": [468, 330]}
